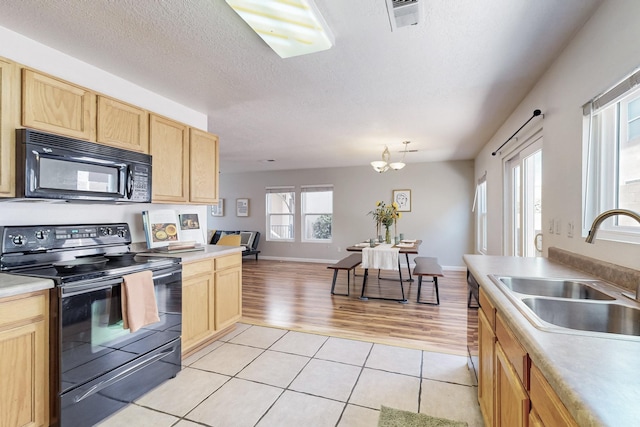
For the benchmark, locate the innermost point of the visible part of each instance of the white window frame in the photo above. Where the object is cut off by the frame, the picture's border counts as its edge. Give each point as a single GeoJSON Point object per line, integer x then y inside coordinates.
{"type": "Point", "coordinates": [600, 159]}
{"type": "Point", "coordinates": [272, 215]}
{"type": "Point", "coordinates": [304, 189]}
{"type": "Point", "coordinates": [480, 210]}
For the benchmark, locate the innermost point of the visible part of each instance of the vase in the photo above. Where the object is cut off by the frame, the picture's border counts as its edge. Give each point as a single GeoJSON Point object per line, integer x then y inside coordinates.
{"type": "Point", "coordinates": [387, 235]}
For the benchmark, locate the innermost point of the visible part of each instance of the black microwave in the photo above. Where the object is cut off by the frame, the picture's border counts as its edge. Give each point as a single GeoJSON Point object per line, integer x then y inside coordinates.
{"type": "Point", "coordinates": [56, 167]}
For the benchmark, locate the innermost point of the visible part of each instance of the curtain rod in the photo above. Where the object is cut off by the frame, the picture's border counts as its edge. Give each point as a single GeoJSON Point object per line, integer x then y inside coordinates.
{"type": "Point", "coordinates": [535, 113]}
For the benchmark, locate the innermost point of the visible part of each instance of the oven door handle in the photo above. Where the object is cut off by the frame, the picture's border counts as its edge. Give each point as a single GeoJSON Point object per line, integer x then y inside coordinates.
{"type": "Point", "coordinates": [71, 290]}
{"type": "Point", "coordinates": [143, 363]}
{"type": "Point", "coordinates": [169, 274]}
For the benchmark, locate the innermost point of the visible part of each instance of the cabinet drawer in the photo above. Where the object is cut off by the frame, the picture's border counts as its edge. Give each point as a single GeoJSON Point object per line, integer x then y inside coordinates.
{"type": "Point", "coordinates": [547, 405]}
{"type": "Point", "coordinates": [17, 310]}
{"type": "Point", "coordinates": [488, 308]}
{"type": "Point", "coordinates": [196, 268]}
{"type": "Point", "coordinates": [513, 350]}
{"type": "Point", "coordinates": [228, 261]}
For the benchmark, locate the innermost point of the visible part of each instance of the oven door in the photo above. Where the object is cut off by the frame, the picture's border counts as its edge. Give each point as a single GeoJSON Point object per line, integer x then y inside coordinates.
{"type": "Point", "coordinates": [103, 366]}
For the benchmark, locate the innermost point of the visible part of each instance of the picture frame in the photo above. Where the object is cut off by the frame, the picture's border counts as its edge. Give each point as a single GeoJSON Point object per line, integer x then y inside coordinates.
{"type": "Point", "coordinates": [403, 199]}
{"type": "Point", "coordinates": [218, 210]}
{"type": "Point", "coordinates": [242, 207]}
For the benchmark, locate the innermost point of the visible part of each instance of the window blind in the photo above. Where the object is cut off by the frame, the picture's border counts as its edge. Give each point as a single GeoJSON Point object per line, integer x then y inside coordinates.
{"type": "Point", "coordinates": [612, 94]}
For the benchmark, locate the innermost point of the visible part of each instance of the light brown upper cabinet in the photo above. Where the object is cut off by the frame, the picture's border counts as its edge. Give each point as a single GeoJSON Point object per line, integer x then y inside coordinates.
{"type": "Point", "coordinates": [9, 120]}
{"type": "Point", "coordinates": [122, 125]}
{"type": "Point", "coordinates": [57, 106]}
{"type": "Point", "coordinates": [203, 182]}
{"type": "Point", "coordinates": [169, 148]}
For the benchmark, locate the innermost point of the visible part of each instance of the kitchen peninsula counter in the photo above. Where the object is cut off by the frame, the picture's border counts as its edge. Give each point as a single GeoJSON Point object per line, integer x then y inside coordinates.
{"type": "Point", "coordinates": [596, 378]}
{"type": "Point", "coordinates": [13, 284]}
{"type": "Point", "coordinates": [209, 251]}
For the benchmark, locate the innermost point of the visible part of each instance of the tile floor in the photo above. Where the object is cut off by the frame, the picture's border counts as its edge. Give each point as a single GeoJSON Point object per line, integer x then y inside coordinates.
{"type": "Point", "coordinates": [259, 376]}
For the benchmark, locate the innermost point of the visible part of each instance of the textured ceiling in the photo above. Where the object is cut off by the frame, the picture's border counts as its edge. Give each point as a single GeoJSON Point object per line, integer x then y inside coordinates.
{"type": "Point", "coordinates": [446, 84]}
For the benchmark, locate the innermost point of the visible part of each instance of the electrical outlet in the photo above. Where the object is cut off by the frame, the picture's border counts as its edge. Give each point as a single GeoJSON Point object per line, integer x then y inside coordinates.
{"type": "Point", "coordinates": [570, 229]}
{"type": "Point", "coordinates": [558, 229]}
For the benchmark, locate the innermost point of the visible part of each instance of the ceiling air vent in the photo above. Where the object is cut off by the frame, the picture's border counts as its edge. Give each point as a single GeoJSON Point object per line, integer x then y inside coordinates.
{"type": "Point", "coordinates": [403, 13]}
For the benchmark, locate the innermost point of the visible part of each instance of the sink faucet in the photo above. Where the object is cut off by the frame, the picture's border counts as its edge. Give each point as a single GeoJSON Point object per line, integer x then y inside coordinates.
{"type": "Point", "coordinates": [596, 224]}
{"type": "Point", "coordinates": [606, 214]}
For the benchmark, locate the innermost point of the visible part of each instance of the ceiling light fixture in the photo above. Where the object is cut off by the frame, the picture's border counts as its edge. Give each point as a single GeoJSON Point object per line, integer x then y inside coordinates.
{"type": "Point", "coordinates": [384, 165]}
{"type": "Point", "coordinates": [289, 27]}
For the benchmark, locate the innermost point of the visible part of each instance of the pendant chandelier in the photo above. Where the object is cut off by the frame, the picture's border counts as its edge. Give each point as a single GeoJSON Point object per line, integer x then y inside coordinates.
{"type": "Point", "coordinates": [384, 164]}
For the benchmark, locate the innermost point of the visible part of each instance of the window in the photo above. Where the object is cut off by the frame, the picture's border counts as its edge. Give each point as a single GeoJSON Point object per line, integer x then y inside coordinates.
{"type": "Point", "coordinates": [280, 213]}
{"type": "Point", "coordinates": [317, 213]}
{"type": "Point", "coordinates": [480, 208]}
{"type": "Point", "coordinates": [611, 173]}
{"type": "Point", "coordinates": [523, 185]}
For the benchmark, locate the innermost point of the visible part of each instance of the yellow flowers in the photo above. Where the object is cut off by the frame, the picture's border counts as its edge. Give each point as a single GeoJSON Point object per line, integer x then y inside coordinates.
{"type": "Point", "coordinates": [385, 214]}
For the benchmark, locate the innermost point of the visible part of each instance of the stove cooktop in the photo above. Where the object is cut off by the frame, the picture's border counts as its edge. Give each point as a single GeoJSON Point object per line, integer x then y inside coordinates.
{"type": "Point", "coordinates": [114, 267]}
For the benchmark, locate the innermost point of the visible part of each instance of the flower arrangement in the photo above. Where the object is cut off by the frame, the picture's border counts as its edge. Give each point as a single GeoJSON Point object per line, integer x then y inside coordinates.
{"type": "Point", "coordinates": [386, 215]}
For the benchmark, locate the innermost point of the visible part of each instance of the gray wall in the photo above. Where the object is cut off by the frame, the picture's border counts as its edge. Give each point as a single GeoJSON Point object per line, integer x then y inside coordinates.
{"type": "Point", "coordinates": [604, 51]}
{"type": "Point", "coordinates": [442, 195]}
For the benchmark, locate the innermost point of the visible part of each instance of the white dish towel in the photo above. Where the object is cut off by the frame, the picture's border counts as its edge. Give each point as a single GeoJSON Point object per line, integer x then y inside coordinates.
{"type": "Point", "coordinates": [383, 257]}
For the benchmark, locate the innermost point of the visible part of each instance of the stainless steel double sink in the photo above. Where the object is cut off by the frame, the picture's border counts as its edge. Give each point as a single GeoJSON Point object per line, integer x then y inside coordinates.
{"type": "Point", "coordinates": [580, 306]}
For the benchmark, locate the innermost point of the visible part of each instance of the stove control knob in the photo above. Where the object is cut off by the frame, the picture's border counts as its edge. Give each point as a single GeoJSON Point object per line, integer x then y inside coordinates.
{"type": "Point", "coordinates": [18, 240]}
{"type": "Point", "coordinates": [106, 231]}
{"type": "Point", "coordinates": [122, 233]}
{"type": "Point", "coordinates": [40, 235]}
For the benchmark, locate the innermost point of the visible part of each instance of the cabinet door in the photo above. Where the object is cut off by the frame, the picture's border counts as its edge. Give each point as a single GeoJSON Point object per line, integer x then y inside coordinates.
{"type": "Point", "coordinates": [203, 186]}
{"type": "Point", "coordinates": [24, 362]}
{"type": "Point", "coordinates": [9, 120]}
{"type": "Point", "coordinates": [198, 310]}
{"type": "Point", "coordinates": [56, 106]}
{"type": "Point", "coordinates": [486, 349]}
{"type": "Point", "coordinates": [548, 407]}
{"type": "Point", "coordinates": [228, 297]}
{"type": "Point", "coordinates": [169, 146]}
{"type": "Point", "coordinates": [511, 398]}
{"type": "Point", "coordinates": [122, 125]}
{"type": "Point", "coordinates": [534, 419]}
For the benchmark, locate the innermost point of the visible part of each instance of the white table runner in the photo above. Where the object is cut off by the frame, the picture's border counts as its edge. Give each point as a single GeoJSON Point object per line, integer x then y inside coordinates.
{"type": "Point", "coordinates": [383, 257]}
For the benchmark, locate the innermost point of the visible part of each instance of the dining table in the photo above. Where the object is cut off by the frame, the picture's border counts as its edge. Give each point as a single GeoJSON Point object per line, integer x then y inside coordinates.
{"type": "Point", "coordinates": [406, 247]}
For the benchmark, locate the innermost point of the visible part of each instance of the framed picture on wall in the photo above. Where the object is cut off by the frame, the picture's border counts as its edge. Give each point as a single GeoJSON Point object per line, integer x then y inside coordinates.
{"type": "Point", "coordinates": [242, 207]}
{"type": "Point", "coordinates": [218, 210]}
{"type": "Point", "coordinates": [403, 199]}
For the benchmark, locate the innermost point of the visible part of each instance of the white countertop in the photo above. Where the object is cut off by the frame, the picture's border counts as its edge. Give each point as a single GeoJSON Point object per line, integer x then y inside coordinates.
{"type": "Point", "coordinates": [597, 379]}
{"type": "Point", "coordinates": [11, 284]}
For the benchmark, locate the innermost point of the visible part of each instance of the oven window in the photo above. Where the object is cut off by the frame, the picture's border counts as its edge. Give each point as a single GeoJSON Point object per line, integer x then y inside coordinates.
{"type": "Point", "coordinates": [107, 326]}
{"type": "Point", "coordinates": [76, 176]}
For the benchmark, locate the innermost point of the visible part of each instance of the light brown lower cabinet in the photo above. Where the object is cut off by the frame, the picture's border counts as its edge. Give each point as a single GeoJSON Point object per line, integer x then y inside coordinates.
{"type": "Point", "coordinates": [512, 392]}
{"type": "Point", "coordinates": [486, 357]}
{"type": "Point", "coordinates": [228, 296]}
{"type": "Point", "coordinates": [511, 398]}
{"type": "Point", "coordinates": [211, 299]}
{"type": "Point", "coordinates": [546, 404]}
{"type": "Point", "coordinates": [24, 360]}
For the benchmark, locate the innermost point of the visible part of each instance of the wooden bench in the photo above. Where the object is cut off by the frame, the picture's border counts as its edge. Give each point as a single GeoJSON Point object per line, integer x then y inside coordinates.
{"type": "Point", "coordinates": [428, 266]}
{"type": "Point", "coordinates": [349, 263]}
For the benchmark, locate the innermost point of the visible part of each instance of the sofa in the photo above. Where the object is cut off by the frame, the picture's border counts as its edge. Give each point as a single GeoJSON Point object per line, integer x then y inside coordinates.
{"type": "Point", "coordinates": [248, 239]}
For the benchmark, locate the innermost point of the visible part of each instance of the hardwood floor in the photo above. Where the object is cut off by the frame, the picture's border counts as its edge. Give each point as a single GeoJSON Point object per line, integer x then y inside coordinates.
{"type": "Point", "coordinates": [297, 296]}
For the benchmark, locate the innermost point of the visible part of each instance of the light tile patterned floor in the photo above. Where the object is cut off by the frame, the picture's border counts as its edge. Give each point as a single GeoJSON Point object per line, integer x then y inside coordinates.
{"type": "Point", "coordinates": [260, 377]}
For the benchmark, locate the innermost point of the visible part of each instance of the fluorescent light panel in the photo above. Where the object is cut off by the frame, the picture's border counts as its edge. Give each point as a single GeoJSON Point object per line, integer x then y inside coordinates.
{"type": "Point", "coordinates": [289, 27]}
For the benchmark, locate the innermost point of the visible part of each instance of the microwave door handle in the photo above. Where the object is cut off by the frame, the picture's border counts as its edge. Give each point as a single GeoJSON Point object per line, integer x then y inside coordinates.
{"type": "Point", "coordinates": [129, 182]}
